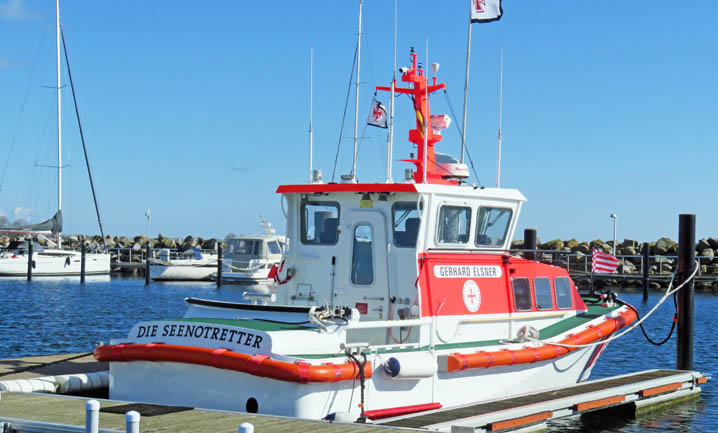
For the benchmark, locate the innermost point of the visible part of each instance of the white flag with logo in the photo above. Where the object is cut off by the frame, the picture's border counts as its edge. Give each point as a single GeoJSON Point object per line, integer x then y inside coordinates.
{"type": "Point", "coordinates": [377, 115]}
{"type": "Point", "coordinates": [484, 11]}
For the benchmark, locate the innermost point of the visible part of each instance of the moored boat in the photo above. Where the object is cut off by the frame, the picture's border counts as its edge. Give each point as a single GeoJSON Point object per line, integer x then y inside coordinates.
{"type": "Point", "coordinates": [392, 298]}
{"type": "Point", "coordinates": [191, 265]}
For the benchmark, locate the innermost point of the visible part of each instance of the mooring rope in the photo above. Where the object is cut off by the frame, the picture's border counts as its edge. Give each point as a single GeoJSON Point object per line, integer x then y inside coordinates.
{"type": "Point", "coordinates": [668, 293]}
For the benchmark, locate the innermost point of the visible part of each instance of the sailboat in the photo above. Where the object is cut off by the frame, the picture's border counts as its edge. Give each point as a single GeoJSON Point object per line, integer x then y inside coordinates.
{"type": "Point", "coordinates": [51, 262]}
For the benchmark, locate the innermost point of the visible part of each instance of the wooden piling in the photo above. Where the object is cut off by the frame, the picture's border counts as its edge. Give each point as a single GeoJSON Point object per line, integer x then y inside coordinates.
{"type": "Point", "coordinates": [530, 243]}
{"type": "Point", "coordinates": [219, 264]}
{"type": "Point", "coordinates": [29, 259]}
{"type": "Point", "coordinates": [646, 257]}
{"type": "Point", "coordinates": [686, 263]}
{"type": "Point", "coordinates": [82, 261]}
{"type": "Point", "coordinates": [148, 257]}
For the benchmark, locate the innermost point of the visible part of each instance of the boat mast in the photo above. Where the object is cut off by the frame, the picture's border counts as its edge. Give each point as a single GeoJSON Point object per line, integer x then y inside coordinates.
{"type": "Point", "coordinates": [466, 90]}
{"type": "Point", "coordinates": [59, 120]}
{"type": "Point", "coordinates": [426, 119]}
{"type": "Point", "coordinates": [356, 102]}
{"type": "Point", "coordinates": [501, 101]}
{"type": "Point", "coordinates": [390, 139]}
{"type": "Point", "coordinates": [311, 91]}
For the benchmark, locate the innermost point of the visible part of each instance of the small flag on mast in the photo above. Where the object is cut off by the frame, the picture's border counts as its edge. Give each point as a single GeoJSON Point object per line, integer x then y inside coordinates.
{"type": "Point", "coordinates": [377, 115]}
{"type": "Point", "coordinates": [485, 11]}
{"type": "Point", "coordinates": [603, 263]}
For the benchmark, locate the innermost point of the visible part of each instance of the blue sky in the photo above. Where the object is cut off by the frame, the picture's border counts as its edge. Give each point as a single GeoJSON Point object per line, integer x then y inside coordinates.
{"type": "Point", "coordinates": [199, 110]}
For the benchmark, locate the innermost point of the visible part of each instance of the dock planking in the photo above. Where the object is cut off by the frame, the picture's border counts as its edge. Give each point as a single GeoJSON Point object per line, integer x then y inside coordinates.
{"type": "Point", "coordinates": [532, 402]}
{"type": "Point", "coordinates": [71, 410]}
{"type": "Point", "coordinates": [50, 365]}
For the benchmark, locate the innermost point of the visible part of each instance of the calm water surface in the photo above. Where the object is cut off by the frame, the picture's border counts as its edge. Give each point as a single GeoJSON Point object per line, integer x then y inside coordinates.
{"type": "Point", "coordinates": [50, 316]}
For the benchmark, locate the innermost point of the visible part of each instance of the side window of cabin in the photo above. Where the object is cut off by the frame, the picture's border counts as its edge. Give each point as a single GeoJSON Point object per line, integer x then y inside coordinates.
{"type": "Point", "coordinates": [454, 225]}
{"type": "Point", "coordinates": [492, 226]}
{"type": "Point", "coordinates": [319, 223]}
{"type": "Point", "coordinates": [542, 293]}
{"type": "Point", "coordinates": [522, 293]}
{"type": "Point", "coordinates": [274, 247]}
{"type": "Point", "coordinates": [564, 300]}
{"type": "Point", "coordinates": [362, 259]}
{"type": "Point", "coordinates": [405, 224]}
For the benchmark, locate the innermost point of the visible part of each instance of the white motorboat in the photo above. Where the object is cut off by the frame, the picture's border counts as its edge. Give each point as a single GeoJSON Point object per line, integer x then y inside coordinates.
{"type": "Point", "coordinates": [248, 259]}
{"type": "Point", "coordinates": [191, 265]}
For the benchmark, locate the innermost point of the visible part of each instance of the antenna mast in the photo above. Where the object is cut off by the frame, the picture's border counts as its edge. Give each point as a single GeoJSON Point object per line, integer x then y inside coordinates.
{"type": "Point", "coordinates": [390, 139]}
{"type": "Point", "coordinates": [356, 102]}
{"type": "Point", "coordinates": [311, 92]}
{"type": "Point", "coordinates": [501, 101]}
{"type": "Point", "coordinates": [466, 90]}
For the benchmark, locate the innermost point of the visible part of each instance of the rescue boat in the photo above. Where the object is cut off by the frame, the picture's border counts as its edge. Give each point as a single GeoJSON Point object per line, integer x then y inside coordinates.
{"type": "Point", "coordinates": [392, 298]}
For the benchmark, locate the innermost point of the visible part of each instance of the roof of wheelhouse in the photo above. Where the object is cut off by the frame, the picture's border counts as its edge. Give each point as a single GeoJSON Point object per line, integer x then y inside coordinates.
{"type": "Point", "coordinates": [410, 187]}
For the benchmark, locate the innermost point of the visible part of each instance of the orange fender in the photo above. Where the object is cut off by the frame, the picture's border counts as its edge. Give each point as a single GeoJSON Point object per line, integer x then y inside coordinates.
{"type": "Point", "coordinates": [257, 365]}
{"type": "Point", "coordinates": [463, 361]}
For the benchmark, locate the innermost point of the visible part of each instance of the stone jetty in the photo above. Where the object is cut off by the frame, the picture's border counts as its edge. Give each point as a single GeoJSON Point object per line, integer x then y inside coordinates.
{"type": "Point", "coordinates": [630, 252]}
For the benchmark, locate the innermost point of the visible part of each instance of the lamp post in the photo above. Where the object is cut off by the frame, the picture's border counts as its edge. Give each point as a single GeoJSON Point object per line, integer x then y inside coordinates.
{"type": "Point", "coordinates": [615, 217]}
{"type": "Point", "coordinates": [149, 221]}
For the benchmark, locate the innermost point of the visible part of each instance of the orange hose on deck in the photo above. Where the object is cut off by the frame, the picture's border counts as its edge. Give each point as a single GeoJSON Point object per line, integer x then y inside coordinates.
{"type": "Point", "coordinates": [258, 365]}
{"type": "Point", "coordinates": [463, 361]}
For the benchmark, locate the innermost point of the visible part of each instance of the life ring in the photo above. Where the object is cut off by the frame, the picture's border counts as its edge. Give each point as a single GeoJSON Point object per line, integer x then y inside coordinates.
{"type": "Point", "coordinates": [277, 271]}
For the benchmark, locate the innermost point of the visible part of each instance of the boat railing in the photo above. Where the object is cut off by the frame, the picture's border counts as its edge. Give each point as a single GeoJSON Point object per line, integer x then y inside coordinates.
{"type": "Point", "coordinates": [127, 255]}
{"type": "Point", "coordinates": [631, 267]}
{"type": "Point", "coordinates": [389, 323]}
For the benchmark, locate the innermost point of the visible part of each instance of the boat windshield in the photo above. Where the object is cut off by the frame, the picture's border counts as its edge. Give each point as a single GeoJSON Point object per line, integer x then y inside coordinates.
{"type": "Point", "coordinates": [245, 249]}
{"type": "Point", "coordinates": [492, 226]}
{"type": "Point", "coordinates": [273, 247]}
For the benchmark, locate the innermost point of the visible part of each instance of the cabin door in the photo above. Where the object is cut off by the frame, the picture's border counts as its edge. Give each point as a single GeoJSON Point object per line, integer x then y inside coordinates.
{"type": "Point", "coordinates": [361, 270]}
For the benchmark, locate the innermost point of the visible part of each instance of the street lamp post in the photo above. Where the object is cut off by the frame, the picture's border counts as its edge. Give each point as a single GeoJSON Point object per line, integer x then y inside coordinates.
{"type": "Point", "coordinates": [615, 217]}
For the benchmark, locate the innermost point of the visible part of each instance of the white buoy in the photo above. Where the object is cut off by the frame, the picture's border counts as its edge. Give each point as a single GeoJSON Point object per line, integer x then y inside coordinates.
{"type": "Point", "coordinates": [132, 422]}
{"type": "Point", "coordinates": [246, 427]}
{"type": "Point", "coordinates": [92, 416]}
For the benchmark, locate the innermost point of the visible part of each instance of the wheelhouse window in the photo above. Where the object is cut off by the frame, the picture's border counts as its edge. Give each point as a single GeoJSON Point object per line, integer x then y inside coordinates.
{"type": "Point", "coordinates": [319, 223]}
{"type": "Point", "coordinates": [492, 226]}
{"type": "Point", "coordinates": [273, 247]}
{"type": "Point", "coordinates": [522, 293]}
{"type": "Point", "coordinates": [562, 285]}
{"type": "Point", "coordinates": [405, 224]}
{"type": "Point", "coordinates": [454, 224]}
{"type": "Point", "coordinates": [244, 249]}
{"type": "Point", "coordinates": [542, 293]}
{"type": "Point", "coordinates": [362, 257]}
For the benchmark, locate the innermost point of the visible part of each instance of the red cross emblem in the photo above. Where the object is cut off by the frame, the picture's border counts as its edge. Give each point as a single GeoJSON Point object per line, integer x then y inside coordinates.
{"type": "Point", "coordinates": [377, 112]}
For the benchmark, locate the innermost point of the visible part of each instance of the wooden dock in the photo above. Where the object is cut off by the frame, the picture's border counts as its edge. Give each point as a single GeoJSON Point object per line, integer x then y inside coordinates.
{"type": "Point", "coordinates": [627, 394]}
{"type": "Point", "coordinates": [50, 365]}
{"type": "Point", "coordinates": [636, 391]}
{"type": "Point", "coordinates": [71, 411]}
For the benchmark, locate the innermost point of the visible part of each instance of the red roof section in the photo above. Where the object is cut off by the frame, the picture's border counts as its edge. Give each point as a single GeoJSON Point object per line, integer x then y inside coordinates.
{"type": "Point", "coordinates": [347, 187]}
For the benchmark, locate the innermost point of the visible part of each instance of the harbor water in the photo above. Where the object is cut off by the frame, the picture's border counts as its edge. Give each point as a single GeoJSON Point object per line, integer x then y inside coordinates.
{"type": "Point", "coordinates": [53, 315]}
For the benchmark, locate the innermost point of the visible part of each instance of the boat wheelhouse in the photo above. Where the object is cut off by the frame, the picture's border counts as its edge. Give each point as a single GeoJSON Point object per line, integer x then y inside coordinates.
{"type": "Point", "coordinates": [392, 298]}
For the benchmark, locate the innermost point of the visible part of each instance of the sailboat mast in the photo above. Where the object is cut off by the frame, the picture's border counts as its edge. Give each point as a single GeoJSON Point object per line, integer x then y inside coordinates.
{"type": "Point", "coordinates": [59, 119]}
{"type": "Point", "coordinates": [311, 92]}
{"type": "Point", "coordinates": [390, 139]}
{"type": "Point", "coordinates": [356, 102]}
